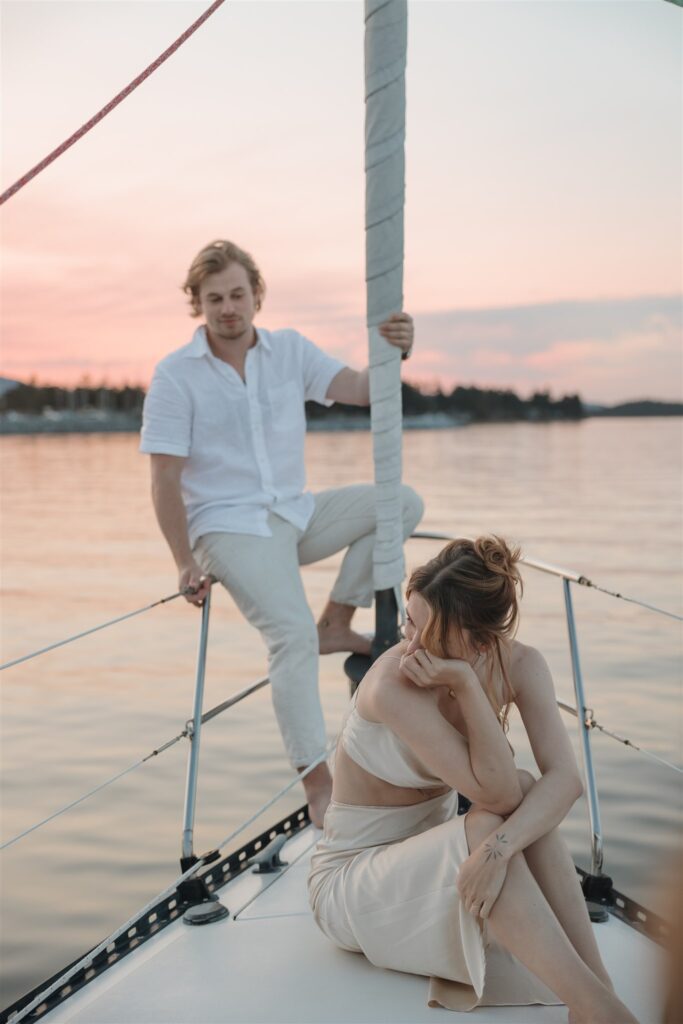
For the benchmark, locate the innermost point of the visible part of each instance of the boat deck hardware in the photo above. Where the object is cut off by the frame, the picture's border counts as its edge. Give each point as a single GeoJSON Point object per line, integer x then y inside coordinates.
{"type": "Point", "coordinates": [268, 861]}
{"type": "Point", "coordinates": [153, 921]}
{"type": "Point", "coordinates": [208, 911]}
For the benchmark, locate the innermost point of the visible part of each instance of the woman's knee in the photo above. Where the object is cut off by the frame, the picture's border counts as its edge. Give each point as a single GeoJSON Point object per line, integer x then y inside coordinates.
{"type": "Point", "coordinates": [479, 824]}
{"type": "Point", "coordinates": [526, 780]}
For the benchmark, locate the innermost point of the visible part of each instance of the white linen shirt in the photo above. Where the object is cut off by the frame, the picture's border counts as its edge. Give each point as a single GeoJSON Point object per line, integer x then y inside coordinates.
{"type": "Point", "coordinates": [243, 440]}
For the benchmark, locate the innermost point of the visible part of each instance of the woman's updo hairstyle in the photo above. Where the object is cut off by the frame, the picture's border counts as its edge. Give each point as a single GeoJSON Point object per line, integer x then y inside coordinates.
{"type": "Point", "coordinates": [472, 585]}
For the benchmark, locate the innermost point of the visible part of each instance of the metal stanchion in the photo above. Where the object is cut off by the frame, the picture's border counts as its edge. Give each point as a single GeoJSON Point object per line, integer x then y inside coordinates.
{"type": "Point", "coordinates": [206, 907]}
{"type": "Point", "coordinates": [596, 886]}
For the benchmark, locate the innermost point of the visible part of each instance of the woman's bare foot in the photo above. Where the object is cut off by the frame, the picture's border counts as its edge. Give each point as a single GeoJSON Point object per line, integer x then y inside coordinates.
{"type": "Point", "coordinates": [611, 1010]}
{"type": "Point", "coordinates": [318, 790]}
{"type": "Point", "coordinates": [335, 633]}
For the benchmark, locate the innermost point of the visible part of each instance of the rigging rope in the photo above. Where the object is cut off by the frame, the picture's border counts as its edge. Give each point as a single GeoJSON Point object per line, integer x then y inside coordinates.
{"type": "Point", "coordinates": [87, 960]}
{"type": "Point", "coordinates": [46, 161]}
{"type": "Point", "coordinates": [87, 632]}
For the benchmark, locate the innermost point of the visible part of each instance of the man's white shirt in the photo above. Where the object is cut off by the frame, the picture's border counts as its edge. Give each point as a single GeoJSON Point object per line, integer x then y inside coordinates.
{"type": "Point", "coordinates": [243, 440]}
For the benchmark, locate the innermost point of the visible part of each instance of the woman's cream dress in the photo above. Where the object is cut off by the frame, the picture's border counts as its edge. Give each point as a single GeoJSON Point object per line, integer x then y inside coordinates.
{"type": "Point", "coordinates": [383, 882]}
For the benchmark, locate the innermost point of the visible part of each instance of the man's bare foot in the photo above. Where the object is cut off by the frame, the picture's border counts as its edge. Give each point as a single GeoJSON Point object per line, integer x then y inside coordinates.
{"type": "Point", "coordinates": [335, 633]}
{"type": "Point", "coordinates": [318, 790]}
{"type": "Point", "coordinates": [332, 640]}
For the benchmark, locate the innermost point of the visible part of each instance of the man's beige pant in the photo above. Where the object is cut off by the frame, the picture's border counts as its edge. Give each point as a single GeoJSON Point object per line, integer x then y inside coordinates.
{"type": "Point", "coordinates": [262, 575]}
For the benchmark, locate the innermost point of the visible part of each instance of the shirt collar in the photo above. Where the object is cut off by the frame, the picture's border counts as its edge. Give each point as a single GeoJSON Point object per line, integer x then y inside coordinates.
{"type": "Point", "coordinates": [199, 345]}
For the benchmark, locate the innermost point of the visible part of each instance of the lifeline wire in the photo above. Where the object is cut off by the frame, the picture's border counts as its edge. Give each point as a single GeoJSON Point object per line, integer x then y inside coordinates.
{"type": "Point", "coordinates": [252, 688]}
{"type": "Point", "coordinates": [592, 724]}
{"type": "Point", "coordinates": [573, 577]}
{"type": "Point", "coordinates": [206, 717]}
{"type": "Point", "coordinates": [632, 600]}
{"type": "Point", "coordinates": [102, 785]}
{"type": "Point", "coordinates": [87, 632]}
{"type": "Point", "coordinates": [46, 161]}
{"type": "Point", "coordinates": [87, 960]}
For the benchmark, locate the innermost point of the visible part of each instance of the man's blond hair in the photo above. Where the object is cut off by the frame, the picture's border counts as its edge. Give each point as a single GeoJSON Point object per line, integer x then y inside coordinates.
{"type": "Point", "coordinates": [216, 257]}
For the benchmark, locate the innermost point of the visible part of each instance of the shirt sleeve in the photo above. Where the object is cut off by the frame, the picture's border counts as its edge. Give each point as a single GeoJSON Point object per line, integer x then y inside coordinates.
{"type": "Point", "coordinates": [166, 418]}
{"type": "Point", "coordinates": [319, 370]}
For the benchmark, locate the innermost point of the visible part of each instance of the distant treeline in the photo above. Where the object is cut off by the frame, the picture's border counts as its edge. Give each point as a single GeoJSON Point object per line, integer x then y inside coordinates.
{"type": "Point", "coordinates": [462, 403]}
{"type": "Point", "coordinates": [644, 408]}
{"type": "Point", "coordinates": [36, 399]}
{"type": "Point", "coordinates": [476, 404]}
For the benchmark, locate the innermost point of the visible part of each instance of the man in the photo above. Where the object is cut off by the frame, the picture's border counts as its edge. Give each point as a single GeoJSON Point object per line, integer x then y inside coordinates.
{"type": "Point", "coordinates": [224, 424]}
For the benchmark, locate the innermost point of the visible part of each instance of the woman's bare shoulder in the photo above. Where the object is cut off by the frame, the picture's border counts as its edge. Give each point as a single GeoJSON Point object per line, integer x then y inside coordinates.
{"type": "Point", "coordinates": [383, 684]}
{"type": "Point", "coordinates": [527, 664]}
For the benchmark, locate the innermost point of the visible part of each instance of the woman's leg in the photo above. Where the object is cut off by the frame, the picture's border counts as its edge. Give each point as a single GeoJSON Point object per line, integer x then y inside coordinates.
{"type": "Point", "coordinates": [551, 865]}
{"type": "Point", "coordinates": [523, 922]}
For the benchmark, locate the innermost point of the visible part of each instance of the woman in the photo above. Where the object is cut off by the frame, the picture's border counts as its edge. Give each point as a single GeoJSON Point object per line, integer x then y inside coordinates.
{"type": "Point", "coordinates": [398, 875]}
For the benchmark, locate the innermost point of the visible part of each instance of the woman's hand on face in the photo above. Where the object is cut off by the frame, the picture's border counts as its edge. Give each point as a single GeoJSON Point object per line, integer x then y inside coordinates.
{"type": "Point", "coordinates": [426, 670]}
{"type": "Point", "coordinates": [482, 875]}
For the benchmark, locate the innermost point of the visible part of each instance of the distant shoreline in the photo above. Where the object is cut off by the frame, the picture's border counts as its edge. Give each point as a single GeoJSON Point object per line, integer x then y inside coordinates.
{"type": "Point", "coordinates": [100, 409]}
{"type": "Point", "coordinates": [97, 422]}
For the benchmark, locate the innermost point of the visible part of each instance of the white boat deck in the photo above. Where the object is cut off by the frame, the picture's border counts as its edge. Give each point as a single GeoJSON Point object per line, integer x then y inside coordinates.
{"type": "Point", "coordinates": [268, 962]}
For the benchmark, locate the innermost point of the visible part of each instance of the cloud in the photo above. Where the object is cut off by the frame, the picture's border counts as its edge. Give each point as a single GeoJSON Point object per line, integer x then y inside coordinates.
{"type": "Point", "coordinates": [597, 351]}
{"type": "Point", "coordinates": [605, 349]}
{"type": "Point", "coordinates": [107, 315]}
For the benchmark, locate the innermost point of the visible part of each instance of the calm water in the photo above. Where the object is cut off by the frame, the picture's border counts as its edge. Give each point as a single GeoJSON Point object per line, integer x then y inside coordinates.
{"type": "Point", "coordinates": [80, 545]}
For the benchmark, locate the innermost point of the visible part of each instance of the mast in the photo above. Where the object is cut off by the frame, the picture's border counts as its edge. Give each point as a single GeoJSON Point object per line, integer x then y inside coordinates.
{"type": "Point", "coordinates": [386, 32]}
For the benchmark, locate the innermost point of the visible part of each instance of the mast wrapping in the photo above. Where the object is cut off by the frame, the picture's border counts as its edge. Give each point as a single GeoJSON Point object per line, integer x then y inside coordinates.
{"type": "Point", "coordinates": [386, 33]}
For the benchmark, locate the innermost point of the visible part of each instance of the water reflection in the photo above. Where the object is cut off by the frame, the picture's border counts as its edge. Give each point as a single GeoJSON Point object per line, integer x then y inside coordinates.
{"type": "Point", "coordinates": [80, 545]}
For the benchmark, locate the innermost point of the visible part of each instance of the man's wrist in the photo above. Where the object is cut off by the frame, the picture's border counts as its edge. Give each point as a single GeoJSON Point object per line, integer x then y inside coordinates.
{"type": "Point", "coordinates": [186, 564]}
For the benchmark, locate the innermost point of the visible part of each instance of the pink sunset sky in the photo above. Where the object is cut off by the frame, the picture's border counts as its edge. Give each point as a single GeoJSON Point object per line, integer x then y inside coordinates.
{"type": "Point", "coordinates": [543, 208]}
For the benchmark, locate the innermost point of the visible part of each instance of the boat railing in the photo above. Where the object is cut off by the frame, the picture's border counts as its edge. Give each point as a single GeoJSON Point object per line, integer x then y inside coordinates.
{"type": "Point", "coordinates": [195, 894]}
{"type": "Point", "coordinates": [192, 731]}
